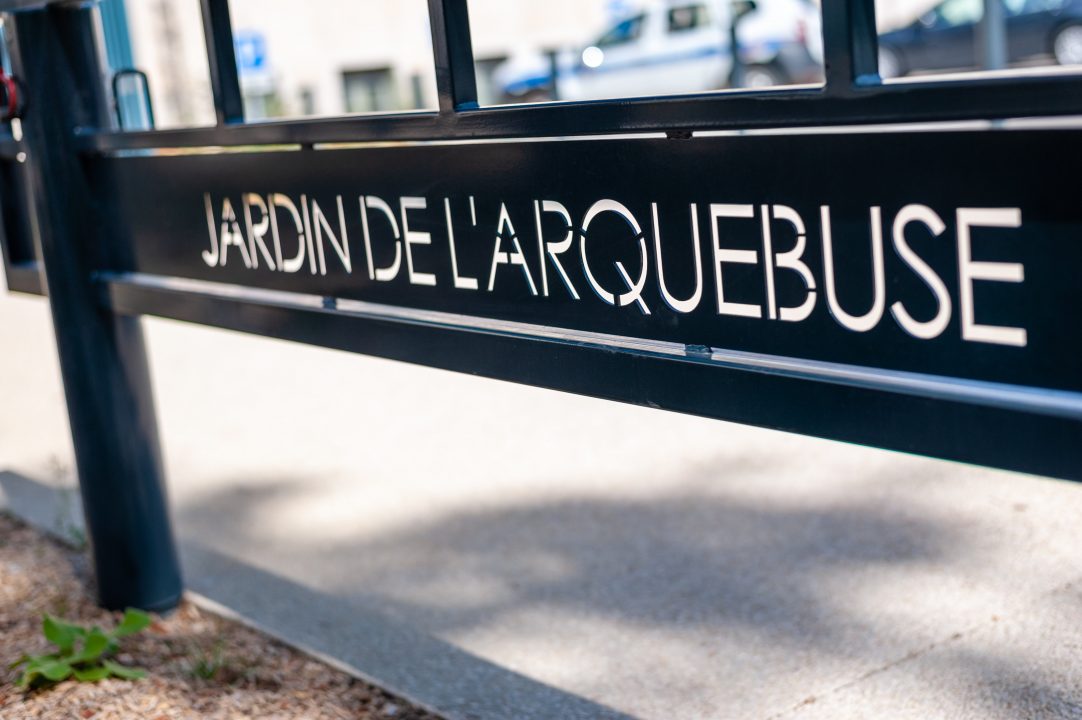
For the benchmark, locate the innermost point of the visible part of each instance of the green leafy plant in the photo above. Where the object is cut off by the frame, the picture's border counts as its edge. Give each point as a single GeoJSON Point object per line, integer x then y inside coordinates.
{"type": "Point", "coordinates": [82, 653]}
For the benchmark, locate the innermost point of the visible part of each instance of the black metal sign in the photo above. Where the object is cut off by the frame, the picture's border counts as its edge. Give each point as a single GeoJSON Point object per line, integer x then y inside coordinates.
{"type": "Point", "coordinates": [870, 252]}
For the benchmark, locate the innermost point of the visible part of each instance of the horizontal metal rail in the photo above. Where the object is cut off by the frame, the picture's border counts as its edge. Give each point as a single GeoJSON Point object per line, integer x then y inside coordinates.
{"type": "Point", "coordinates": [1038, 401]}
{"type": "Point", "coordinates": [932, 101]}
{"type": "Point", "coordinates": [811, 399]}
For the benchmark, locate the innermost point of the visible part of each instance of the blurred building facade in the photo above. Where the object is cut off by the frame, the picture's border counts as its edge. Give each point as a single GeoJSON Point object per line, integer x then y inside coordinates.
{"type": "Point", "coordinates": [328, 57]}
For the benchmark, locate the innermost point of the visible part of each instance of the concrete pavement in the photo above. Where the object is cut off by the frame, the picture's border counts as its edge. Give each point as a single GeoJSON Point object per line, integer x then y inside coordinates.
{"type": "Point", "coordinates": [500, 551]}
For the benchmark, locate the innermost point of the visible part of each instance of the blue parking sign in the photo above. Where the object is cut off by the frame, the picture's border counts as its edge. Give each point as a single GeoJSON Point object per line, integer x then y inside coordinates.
{"type": "Point", "coordinates": [251, 50]}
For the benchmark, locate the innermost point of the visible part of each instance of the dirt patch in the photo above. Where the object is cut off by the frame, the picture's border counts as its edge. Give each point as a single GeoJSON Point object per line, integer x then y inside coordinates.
{"type": "Point", "coordinates": [200, 666]}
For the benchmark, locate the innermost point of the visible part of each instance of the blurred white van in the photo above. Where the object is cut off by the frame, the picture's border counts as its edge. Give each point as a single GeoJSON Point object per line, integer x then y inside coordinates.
{"type": "Point", "coordinates": [665, 47]}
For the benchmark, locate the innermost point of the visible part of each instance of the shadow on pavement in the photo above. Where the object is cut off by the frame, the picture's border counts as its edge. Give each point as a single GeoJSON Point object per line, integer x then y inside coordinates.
{"type": "Point", "coordinates": [767, 582]}
{"type": "Point", "coordinates": [667, 561]}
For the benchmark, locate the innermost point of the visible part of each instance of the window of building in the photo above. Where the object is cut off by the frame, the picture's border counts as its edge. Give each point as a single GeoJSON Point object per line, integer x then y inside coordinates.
{"type": "Point", "coordinates": [488, 92]}
{"type": "Point", "coordinates": [325, 58]}
{"type": "Point", "coordinates": [369, 90]}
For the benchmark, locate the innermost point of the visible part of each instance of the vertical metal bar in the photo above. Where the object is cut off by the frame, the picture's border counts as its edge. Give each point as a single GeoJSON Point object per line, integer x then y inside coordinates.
{"type": "Point", "coordinates": [18, 233]}
{"type": "Point", "coordinates": [224, 80]}
{"type": "Point", "coordinates": [102, 356]}
{"type": "Point", "coordinates": [456, 81]}
{"type": "Point", "coordinates": [992, 40]}
{"type": "Point", "coordinates": [554, 73]}
{"type": "Point", "coordinates": [850, 45]}
{"type": "Point", "coordinates": [736, 54]}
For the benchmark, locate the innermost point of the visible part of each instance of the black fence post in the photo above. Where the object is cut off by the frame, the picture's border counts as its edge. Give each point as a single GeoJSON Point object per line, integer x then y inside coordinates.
{"type": "Point", "coordinates": [102, 356]}
{"type": "Point", "coordinates": [452, 50]}
{"type": "Point", "coordinates": [222, 61]}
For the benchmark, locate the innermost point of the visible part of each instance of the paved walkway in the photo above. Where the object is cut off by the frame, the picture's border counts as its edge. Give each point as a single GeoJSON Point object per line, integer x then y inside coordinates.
{"type": "Point", "coordinates": [500, 551]}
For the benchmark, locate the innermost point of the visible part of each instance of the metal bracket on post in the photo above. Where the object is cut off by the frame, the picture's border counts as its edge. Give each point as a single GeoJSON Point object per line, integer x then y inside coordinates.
{"type": "Point", "coordinates": [103, 359]}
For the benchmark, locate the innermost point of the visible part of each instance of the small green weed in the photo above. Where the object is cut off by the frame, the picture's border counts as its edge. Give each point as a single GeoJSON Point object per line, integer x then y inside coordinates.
{"type": "Point", "coordinates": [206, 665]}
{"type": "Point", "coordinates": [82, 653]}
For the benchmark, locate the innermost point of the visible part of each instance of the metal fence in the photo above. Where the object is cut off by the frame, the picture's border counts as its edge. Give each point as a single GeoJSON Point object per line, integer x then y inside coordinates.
{"type": "Point", "coordinates": [80, 200]}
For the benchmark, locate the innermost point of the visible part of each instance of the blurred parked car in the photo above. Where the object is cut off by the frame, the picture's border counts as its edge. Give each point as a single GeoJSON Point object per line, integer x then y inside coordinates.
{"type": "Point", "coordinates": [945, 37]}
{"type": "Point", "coordinates": [676, 46]}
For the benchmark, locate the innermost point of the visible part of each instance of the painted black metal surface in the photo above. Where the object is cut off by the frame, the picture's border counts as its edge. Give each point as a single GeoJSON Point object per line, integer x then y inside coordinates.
{"type": "Point", "coordinates": [103, 360]}
{"type": "Point", "coordinates": [593, 235]}
{"type": "Point", "coordinates": [690, 382]}
{"type": "Point", "coordinates": [18, 242]}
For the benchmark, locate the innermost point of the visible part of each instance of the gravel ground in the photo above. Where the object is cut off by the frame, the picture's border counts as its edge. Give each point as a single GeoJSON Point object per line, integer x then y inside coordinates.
{"type": "Point", "coordinates": [200, 665]}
